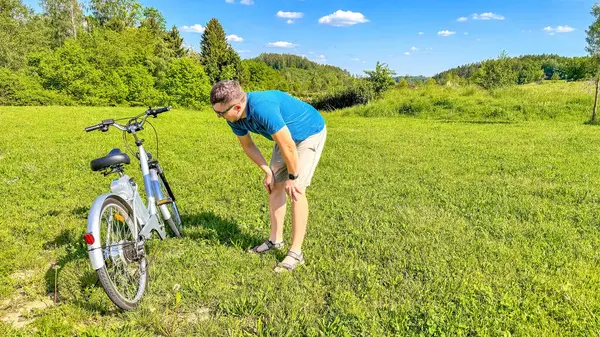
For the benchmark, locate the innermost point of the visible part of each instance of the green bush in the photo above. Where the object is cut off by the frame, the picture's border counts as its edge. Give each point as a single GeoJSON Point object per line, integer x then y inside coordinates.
{"type": "Point", "coordinates": [360, 92]}
{"type": "Point", "coordinates": [19, 88]}
{"type": "Point", "coordinates": [257, 75]}
{"type": "Point", "coordinates": [382, 78]}
{"type": "Point", "coordinates": [104, 68]}
{"type": "Point", "coordinates": [140, 86]}
{"type": "Point", "coordinates": [186, 84]}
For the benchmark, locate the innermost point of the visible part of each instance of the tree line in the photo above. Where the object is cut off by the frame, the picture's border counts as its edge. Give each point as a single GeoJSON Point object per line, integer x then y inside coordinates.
{"type": "Point", "coordinates": [117, 52]}
{"type": "Point", "coordinates": [506, 70]}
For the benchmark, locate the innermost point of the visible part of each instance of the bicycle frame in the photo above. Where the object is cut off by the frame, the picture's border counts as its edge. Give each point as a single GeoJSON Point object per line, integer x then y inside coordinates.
{"type": "Point", "coordinates": [145, 217]}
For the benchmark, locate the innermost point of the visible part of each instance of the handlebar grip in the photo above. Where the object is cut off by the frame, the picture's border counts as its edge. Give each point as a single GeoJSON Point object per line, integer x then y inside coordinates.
{"type": "Point", "coordinates": [159, 110]}
{"type": "Point", "coordinates": [93, 127]}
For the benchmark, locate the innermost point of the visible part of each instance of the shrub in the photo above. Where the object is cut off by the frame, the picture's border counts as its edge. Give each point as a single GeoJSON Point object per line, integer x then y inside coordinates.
{"type": "Point", "coordinates": [186, 84]}
{"type": "Point", "coordinates": [360, 92]}
{"type": "Point", "coordinates": [19, 88]}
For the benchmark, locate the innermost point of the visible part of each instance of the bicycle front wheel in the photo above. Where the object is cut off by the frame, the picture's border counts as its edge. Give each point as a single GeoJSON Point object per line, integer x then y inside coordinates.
{"type": "Point", "coordinates": [124, 275]}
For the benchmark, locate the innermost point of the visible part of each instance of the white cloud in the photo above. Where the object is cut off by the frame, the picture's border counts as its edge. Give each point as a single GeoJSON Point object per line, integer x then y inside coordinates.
{"type": "Point", "coordinates": [343, 18]}
{"type": "Point", "coordinates": [487, 16]}
{"type": "Point", "coordinates": [243, 51]}
{"type": "Point", "coordinates": [559, 29]}
{"type": "Point", "coordinates": [188, 46]}
{"type": "Point", "coordinates": [197, 28]}
{"type": "Point", "coordinates": [234, 38]}
{"type": "Point", "coordinates": [289, 22]}
{"type": "Point", "coordinates": [466, 33]}
{"type": "Point", "coordinates": [446, 33]}
{"type": "Point", "coordinates": [290, 15]}
{"type": "Point", "coordinates": [406, 53]}
{"type": "Point", "coordinates": [355, 59]}
{"type": "Point", "coordinates": [229, 1]}
{"type": "Point", "coordinates": [414, 48]}
{"type": "Point", "coordinates": [281, 44]}
{"type": "Point", "coordinates": [462, 19]}
{"type": "Point", "coordinates": [321, 59]}
{"type": "Point", "coordinates": [421, 33]}
{"type": "Point", "coordinates": [247, 2]}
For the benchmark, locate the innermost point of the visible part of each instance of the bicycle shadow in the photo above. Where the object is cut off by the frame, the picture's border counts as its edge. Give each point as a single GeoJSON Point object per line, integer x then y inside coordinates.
{"type": "Point", "coordinates": [74, 279]}
{"type": "Point", "coordinates": [70, 275]}
{"type": "Point", "coordinates": [211, 227]}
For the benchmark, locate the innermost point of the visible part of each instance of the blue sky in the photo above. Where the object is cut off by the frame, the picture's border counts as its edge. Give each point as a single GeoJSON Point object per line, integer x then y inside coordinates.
{"type": "Point", "coordinates": [412, 37]}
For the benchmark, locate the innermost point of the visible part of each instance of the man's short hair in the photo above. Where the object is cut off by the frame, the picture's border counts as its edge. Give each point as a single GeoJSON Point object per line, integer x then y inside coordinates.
{"type": "Point", "coordinates": [226, 91]}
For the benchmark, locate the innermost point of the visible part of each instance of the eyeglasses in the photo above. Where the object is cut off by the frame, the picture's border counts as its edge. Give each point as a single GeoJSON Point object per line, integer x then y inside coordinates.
{"type": "Point", "coordinates": [222, 113]}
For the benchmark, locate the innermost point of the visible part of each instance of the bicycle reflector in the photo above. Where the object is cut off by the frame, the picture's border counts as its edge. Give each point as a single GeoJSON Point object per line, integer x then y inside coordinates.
{"type": "Point", "coordinates": [89, 238]}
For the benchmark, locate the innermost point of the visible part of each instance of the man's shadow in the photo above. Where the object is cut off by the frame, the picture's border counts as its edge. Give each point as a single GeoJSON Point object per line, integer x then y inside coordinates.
{"type": "Point", "coordinates": [211, 227]}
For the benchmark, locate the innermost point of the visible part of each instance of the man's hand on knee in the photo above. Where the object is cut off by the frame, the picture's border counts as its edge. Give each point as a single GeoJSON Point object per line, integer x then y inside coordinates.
{"type": "Point", "coordinates": [293, 190]}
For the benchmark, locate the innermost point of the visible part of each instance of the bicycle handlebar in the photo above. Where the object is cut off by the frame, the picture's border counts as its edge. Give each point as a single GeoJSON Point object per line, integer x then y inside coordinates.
{"type": "Point", "coordinates": [136, 125]}
{"type": "Point", "coordinates": [104, 125]}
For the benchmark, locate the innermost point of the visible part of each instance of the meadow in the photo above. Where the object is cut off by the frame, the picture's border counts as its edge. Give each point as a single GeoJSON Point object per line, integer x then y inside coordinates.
{"type": "Point", "coordinates": [442, 222]}
{"type": "Point", "coordinates": [550, 100]}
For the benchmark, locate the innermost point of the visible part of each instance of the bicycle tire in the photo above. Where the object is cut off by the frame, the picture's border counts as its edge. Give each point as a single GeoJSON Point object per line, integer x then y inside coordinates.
{"type": "Point", "coordinates": [121, 254]}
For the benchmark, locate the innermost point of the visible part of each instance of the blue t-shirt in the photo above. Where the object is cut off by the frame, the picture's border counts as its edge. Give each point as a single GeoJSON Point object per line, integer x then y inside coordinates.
{"type": "Point", "coordinates": [269, 111]}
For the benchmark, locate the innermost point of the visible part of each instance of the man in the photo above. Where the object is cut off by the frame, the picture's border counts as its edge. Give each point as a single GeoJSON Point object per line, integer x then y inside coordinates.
{"type": "Point", "coordinates": [299, 133]}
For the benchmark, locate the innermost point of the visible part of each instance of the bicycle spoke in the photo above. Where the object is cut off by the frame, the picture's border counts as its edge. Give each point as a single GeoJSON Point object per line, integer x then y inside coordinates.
{"type": "Point", "coordinates": [124, 274]}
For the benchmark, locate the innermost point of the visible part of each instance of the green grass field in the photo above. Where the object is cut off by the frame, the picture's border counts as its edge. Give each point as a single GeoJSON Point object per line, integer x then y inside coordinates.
{"type": "Point", "coordinates": [417, 227]}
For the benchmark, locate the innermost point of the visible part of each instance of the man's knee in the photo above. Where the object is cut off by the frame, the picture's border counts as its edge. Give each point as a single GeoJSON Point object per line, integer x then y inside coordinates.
{"type": "Point", "coordinates": [279, 187]}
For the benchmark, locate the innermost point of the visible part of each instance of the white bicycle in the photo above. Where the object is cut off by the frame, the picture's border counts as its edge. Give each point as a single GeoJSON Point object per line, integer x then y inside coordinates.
{"type": "Point", "coordinates": [119, 223]}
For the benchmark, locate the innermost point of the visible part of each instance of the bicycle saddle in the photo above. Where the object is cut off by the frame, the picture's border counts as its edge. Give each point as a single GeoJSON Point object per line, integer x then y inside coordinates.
{"type": "Point", "coordinates": [114, 157]}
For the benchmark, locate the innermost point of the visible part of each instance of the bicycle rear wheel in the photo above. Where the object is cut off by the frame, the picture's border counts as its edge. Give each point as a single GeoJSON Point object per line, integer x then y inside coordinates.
{"type": "Point", "coordinates": [124, 275]}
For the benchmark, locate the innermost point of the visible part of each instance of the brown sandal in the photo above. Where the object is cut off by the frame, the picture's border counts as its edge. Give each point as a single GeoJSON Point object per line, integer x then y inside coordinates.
{"type": "Point", "coordinates": [284, 266]}
{"type": "Point", "coordinates": [269, 246]}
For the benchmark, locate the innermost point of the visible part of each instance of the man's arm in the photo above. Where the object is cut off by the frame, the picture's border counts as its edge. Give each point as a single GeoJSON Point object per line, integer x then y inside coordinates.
{"type": "Point", "coordinates": [283, 138]}
{"type": "Point", "coordinates": [254, 153]}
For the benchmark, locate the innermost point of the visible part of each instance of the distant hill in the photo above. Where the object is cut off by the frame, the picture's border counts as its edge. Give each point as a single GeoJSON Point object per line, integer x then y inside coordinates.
{"type": "Point", "coordinates": [412, 79]}
{"type": "Point", "coordinates": [283, 61]}
{"type": "Point", "coordinates": [296, 74]}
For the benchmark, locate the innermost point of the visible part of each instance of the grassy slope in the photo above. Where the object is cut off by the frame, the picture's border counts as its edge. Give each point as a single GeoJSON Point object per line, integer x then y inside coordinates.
{"type": "Point", "coordinates": [549, 101]}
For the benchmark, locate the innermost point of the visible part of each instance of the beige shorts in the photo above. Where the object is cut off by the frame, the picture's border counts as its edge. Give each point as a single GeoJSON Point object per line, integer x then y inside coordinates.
{"type": "Point", "coordinates": [309, 153]}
